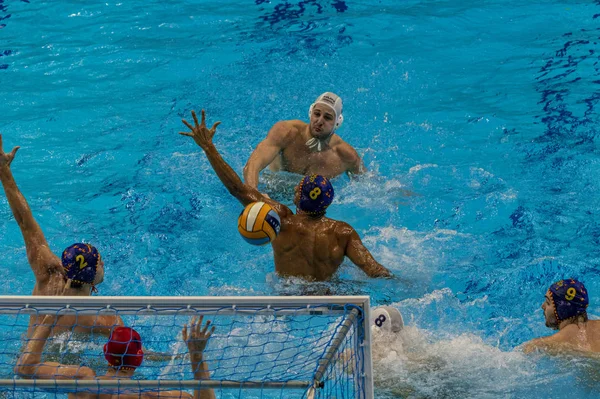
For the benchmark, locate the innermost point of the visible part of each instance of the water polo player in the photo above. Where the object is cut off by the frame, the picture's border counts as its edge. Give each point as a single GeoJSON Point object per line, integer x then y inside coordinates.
{"type": "Point", "coordinates": [124, 354]}
{"type": "Point", "coordinates": [309, 245]}
{"type": "Point", "coordinates": [386, 319]}
{"type": "Point", "coordinates": [565, 310]}
{"type": "Point", "coordinates": [306, 148]}
{"type": "Point", "coordinates": [81, 264]}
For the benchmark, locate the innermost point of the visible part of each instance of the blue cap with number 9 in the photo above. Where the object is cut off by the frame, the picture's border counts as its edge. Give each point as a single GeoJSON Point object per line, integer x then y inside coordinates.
{"type": "Point", "coordinates": [570, 298]}
{"type": "Point", "coordinates": [80, 262]}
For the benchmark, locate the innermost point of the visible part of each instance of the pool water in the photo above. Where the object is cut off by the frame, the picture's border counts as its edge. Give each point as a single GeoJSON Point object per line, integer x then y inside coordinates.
{"type": "Point", "coordinates": [477, 122]}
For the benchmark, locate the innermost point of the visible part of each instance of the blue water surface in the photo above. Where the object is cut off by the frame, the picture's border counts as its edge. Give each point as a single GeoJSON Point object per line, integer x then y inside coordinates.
{"type": "Point", "coordinates": [478, 122]}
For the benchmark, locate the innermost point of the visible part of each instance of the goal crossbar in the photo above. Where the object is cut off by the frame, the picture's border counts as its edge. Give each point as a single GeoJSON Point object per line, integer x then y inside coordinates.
{"type": "Point", "coordinates": [179, 305]}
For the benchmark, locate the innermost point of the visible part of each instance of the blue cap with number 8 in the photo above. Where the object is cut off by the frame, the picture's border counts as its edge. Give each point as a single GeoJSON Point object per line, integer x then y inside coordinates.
{"type": "Point", "coordinates": [316, 194]}
{"type": "Point", "coordinates": [570, 298]}
{"type": "Point", "coordinates": [80, 262]}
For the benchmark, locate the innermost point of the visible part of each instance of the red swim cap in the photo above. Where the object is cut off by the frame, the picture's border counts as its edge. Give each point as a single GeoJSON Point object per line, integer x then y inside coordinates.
{"type": "Point", "coordinates": [124, 348]}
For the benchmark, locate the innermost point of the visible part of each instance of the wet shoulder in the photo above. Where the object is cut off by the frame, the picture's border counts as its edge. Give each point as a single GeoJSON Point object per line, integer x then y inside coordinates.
{"type": "Point", "coordinates": [286, 132]}
{"type": "Point", "coordinates": [344, 150]}
{"type": "Point", "coordinates": [573, 332]}
{"type": "Point", "coordinates": [342, 229]}
{"type": "Point", "coordinates": [291, 126]}
{"type": "Point", "coordinates": [594, 327]}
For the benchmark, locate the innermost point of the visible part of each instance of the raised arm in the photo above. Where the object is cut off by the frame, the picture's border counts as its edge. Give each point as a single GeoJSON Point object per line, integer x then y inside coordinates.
{"type": "Point", "coordinates": [243, 192]}
{"type": "Point", "coordinates": [266, 152]}
{"type": "Point", "coordinates": [39, 254]}
{"type": "Point", "coordinates": [30, 363]}
{"type": "Point", "coordinates": [361, 257]}
{"type": "Point", "coordinates": [197, 339]}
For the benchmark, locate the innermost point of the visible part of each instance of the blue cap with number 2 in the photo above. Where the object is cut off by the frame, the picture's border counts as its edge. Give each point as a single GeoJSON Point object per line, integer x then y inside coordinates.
{"type": "Point", "coordinates": [570, 298]}
{"type": "Point", "coordinates": [80, 262]}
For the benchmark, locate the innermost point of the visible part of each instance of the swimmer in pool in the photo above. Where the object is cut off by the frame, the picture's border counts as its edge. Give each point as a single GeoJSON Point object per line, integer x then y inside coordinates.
{"type": "Point", "coordinates": [306, 148]}
{"type": "Point", "coordinates": [309, 244]}
{"type": "Point", "coordinates": [386, 325]}
{"type": "Point", "coordinates": [565, 310]}
{"type": "Point", "coordinates": [81, 266]}
{"type": "Point", "coordinates": [124, 354]}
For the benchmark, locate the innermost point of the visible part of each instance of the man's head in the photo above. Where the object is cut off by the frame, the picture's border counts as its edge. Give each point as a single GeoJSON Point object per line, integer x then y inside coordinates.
{"type": "Point", "coordinates": [124, 349]}
{"type": "Point", "coordinates": [313, 195]}
{"type": "Point", "coordinates": [83, 264]}
{"type": "Point", "coordinates": [325, 115]}
{"type": "Point", "coordinates": [386, 319]}
{"type": "Point", "coordinates": [565, 299]}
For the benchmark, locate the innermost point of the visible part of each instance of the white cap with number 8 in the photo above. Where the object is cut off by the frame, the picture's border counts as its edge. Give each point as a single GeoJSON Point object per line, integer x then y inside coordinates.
{"type": "Point", "coordinates": [387, 318]}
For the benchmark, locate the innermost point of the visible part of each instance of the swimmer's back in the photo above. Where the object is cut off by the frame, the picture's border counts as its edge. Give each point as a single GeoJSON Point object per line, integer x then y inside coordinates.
{"type": "Point", "coordinates": [583, 337]}
{"type": "Point", "coordinates": [310, 248]}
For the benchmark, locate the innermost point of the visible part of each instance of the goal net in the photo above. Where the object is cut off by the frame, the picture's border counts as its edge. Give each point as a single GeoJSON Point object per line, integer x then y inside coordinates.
{"type": "Point", "coordinates": [262, 347]}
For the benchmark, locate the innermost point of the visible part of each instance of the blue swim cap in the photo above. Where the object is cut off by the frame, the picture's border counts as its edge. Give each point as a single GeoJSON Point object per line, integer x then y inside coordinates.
{"type": "Point", "coordinates": [570, 298]}
{"type": "Point", "coordinates": [79, 262]}
{"type": "Point", "coordinates": [316, 194]}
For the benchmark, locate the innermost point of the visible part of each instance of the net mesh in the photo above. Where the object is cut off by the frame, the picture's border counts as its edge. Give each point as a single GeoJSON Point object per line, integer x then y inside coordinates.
{"type": "Point", "coordinates": [255, 352]}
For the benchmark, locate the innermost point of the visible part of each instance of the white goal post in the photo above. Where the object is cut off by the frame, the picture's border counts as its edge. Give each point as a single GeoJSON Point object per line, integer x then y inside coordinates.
{"type": "Point", "coordinates": [279, 347]}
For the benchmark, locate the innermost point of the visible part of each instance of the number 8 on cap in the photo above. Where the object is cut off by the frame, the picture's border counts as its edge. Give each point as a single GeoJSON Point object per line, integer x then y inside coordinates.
{"type": "Point", "coordinates": [387, 318]}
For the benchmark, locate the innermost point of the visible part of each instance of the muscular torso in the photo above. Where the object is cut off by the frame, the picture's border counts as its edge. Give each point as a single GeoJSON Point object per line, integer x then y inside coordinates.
{"type": "Point", "coordinates": [296, 157]}
{"type": "Point", "coordinates": [310, 248]}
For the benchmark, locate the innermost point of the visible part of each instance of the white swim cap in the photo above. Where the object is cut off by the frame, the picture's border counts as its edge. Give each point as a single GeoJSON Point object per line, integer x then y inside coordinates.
{"type": "Point", "coordinates": [333, 102]}
{"type": "Point", "coordinates": [387, 318]}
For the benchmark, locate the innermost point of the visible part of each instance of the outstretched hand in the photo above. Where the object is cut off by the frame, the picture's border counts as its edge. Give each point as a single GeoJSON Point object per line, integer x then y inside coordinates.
{"type": "Point", "coordinates": [201, 135]}
{"type": "Point", "coordinates": [6, 159]}
{"type": "Point", "coordinates": [198, 337]}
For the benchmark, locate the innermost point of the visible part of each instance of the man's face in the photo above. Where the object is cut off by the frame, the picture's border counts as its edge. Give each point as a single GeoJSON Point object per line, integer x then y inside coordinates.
{"type": "Point", "coordinates": [322, 121]}
{"type": "Point", "coordinates": [549, 312]}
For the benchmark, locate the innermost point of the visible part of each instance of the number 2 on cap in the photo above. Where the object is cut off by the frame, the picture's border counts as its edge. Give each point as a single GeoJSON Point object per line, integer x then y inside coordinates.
{"type": "Point", "coordinates": [82, 262]}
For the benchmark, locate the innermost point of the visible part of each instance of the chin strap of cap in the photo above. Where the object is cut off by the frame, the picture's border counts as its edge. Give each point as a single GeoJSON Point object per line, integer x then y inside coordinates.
{"type": "Point", "coordinates": [318, 145]}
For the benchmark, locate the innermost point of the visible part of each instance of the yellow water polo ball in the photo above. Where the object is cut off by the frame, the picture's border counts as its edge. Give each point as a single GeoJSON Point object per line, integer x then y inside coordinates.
{"type": "Point", "coordinates": [258, 223]}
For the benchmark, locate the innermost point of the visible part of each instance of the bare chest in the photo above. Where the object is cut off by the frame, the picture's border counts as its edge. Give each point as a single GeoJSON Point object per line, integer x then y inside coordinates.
{"type": "Point", "coordinates": [300, 159]}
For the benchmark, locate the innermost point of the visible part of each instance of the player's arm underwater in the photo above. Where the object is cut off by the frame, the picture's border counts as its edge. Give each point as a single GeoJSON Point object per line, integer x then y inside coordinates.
{"type": "Point", "coordinates": [30, 363]}
{"type": "Point", "coordinates": [243, 192]}
{"type": "Point", "coordinates": [39, 254]}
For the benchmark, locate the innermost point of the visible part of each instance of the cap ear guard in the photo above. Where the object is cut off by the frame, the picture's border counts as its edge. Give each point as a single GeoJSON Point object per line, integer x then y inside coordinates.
{"type": "Point", "coordinates": [338, 123]}
{"type": "Point", "coordinates": [387, 318]}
